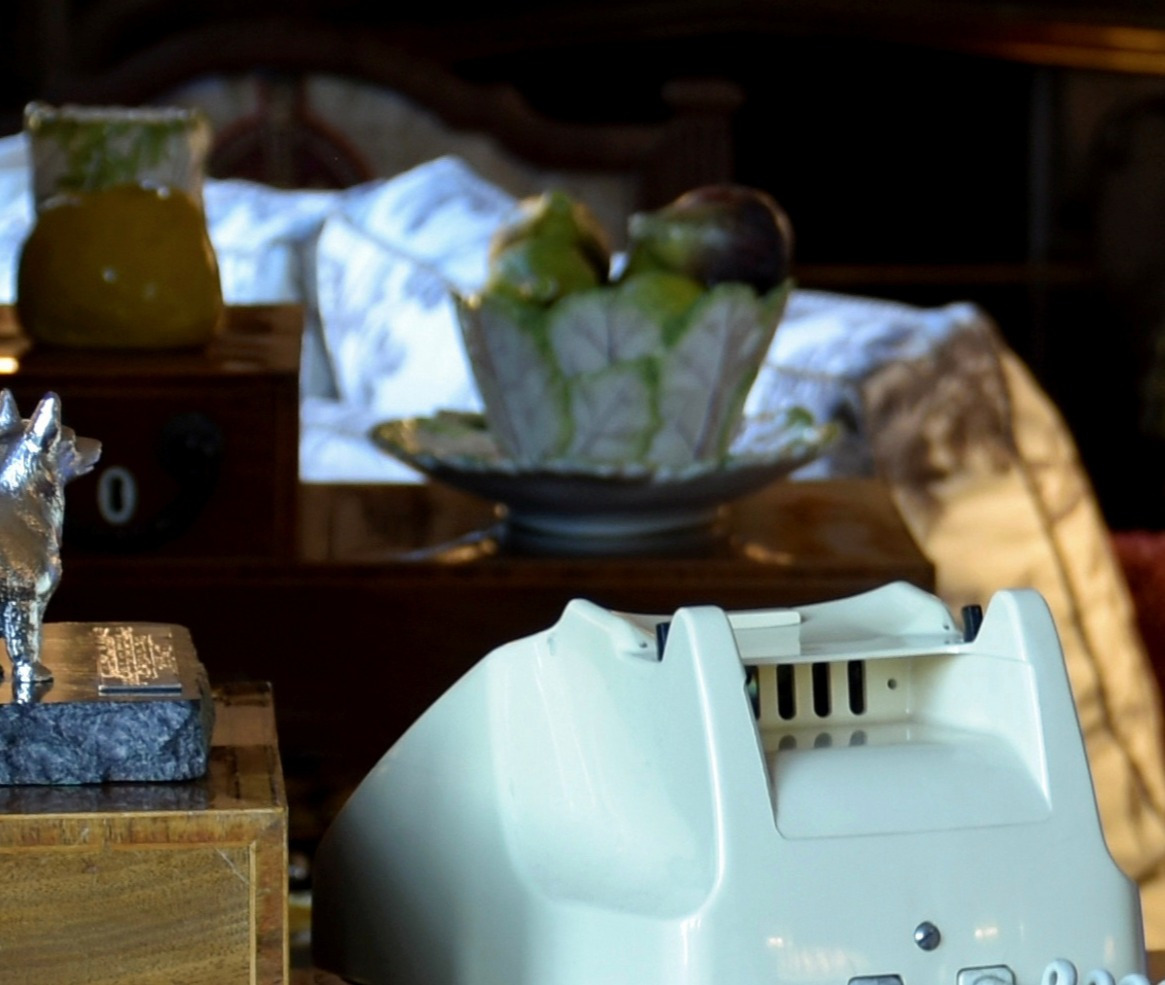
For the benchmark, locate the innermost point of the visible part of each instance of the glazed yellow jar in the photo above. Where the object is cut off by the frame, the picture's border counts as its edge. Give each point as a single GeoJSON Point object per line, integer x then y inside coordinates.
{"type": "Point", "coordinates": [119, 256]}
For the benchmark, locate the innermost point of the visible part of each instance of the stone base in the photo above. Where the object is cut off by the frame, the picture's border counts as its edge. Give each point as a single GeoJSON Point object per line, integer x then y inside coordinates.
{"type": "Point", "coordinates": [128, 702]}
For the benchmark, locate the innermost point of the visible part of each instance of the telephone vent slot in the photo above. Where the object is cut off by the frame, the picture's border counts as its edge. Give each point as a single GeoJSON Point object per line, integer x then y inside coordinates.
{"type": "Point", "coordinates": [856, 685]}
{"type": "Point", "coordinates": [794, 694]}
{"type": "Point", "coordinates": [786, 693]}
{"type": "Point", "coordinates": [822, 699]}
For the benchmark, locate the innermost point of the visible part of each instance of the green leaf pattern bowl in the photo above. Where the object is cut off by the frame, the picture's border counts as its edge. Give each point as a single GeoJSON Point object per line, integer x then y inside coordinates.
{"type": "Point", "coordinates": [614, 414]}
{"type": "Point", "coordinates": [607, 377]}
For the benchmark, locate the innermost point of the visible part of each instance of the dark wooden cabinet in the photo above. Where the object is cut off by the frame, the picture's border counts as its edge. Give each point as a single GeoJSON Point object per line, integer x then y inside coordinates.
{"type": "Point", "coordinates": [200, 451]}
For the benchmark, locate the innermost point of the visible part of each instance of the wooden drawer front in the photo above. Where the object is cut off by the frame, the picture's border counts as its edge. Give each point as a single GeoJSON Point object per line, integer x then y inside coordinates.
{"type": "Point", "coordinates": [200, 450]}
{"type": "Point", "coordinates": [129, 915]}
{"type": "Point", "coordinates": [184, 471]}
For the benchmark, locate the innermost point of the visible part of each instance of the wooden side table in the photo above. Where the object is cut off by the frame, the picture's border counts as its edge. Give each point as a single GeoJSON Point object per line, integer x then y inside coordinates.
{"type": "Point", "coordinates": [398, 590]}
{"type": "Point", "coordinates": [154, 883]}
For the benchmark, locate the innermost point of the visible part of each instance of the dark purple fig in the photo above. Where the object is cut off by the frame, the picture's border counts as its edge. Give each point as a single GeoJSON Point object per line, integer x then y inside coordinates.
{"type": "Point", "coordinates": [714, 234]}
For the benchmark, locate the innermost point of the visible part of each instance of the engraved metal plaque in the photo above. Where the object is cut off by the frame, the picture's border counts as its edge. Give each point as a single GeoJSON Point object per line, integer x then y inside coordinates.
{"type": "Point", "coordinates": [129, 661]}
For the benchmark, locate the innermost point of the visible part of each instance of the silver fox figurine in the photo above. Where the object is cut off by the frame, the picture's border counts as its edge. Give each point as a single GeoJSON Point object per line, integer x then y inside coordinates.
{"type": "Point", "coordinates": [37, 457]}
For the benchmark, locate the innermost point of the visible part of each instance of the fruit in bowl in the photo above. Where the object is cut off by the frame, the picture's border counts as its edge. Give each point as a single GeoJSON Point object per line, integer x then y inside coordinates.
{"type": "Point", "coordinates": [651, 367]}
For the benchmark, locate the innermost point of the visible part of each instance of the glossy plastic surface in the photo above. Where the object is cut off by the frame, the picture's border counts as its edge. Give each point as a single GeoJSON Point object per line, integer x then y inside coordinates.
{"type": "Point", "coordinates": [578, 809]}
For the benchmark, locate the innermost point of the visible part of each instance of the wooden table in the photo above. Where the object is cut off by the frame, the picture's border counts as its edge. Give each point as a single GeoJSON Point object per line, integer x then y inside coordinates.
{"type": "Point", "coordinates": [397, 590]}
{"type": "Point", "coordinates": [143, 883]}
{"type": "Point", "coordinates": [791, 542]}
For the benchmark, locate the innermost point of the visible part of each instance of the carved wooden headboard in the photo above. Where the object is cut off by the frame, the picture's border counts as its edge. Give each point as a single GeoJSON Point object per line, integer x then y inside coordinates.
{"type": "Point", "coordinates": [273, 126]}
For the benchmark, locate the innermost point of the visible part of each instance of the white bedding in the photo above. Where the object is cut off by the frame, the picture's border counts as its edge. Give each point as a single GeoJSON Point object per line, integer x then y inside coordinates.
{"type": "Point", "coordinates": [374, 266]}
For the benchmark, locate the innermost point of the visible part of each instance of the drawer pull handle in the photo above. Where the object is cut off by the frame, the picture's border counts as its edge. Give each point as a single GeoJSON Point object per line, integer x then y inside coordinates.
{"type": "Point", "coordinates": [117, 495]}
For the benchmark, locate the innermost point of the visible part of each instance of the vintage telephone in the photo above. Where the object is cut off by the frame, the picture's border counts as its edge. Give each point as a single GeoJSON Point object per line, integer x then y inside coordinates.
{"type": "Point", "coordinates": [856, 792]}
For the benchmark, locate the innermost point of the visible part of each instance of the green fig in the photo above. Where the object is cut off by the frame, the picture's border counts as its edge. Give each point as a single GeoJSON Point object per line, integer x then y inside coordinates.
{"type": "Point", "coordinates": [557, 218]}
{"type": "Point", "coordinates": [715, 234]}
{"type": "Point", "coordinates": [540, 271]}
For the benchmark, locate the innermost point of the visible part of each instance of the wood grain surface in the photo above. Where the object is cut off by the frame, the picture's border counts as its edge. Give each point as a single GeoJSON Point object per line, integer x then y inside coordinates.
{"type": "Point", "coordinates": [152, 884]}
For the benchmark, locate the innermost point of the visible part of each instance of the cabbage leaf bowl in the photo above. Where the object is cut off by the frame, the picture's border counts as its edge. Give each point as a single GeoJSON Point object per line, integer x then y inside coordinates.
{"type": "Point", "coordinates": [629, 374]}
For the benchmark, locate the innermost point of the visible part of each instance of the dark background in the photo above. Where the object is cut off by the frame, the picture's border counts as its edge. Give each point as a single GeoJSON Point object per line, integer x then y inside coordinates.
{"type": "Point", "coordinates": [1002, 153]}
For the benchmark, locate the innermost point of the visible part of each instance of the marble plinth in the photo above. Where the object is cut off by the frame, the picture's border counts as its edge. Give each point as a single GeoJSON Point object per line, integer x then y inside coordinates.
{"type": "Point", "coordinates": [128, 702]}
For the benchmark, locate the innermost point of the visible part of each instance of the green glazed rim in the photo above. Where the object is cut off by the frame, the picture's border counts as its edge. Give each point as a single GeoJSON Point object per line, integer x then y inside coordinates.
{"type": "Point", "coordinates": [88, 148]}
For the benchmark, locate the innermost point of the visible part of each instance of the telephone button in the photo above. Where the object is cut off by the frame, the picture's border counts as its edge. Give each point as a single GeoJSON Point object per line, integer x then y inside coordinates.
{"type": "Point", "coordinates": [997, 974]}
